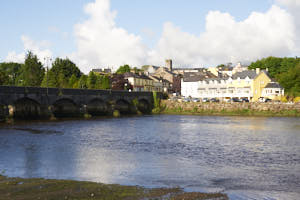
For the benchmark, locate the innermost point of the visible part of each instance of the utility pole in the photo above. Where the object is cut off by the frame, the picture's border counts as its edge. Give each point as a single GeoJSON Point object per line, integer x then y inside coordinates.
{"type": "Point", "coordinates": [47, 59]}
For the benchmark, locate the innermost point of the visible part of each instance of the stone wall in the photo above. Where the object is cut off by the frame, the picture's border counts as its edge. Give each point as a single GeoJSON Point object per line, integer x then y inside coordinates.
{"type": "Point", "coordinates": [229, 107]}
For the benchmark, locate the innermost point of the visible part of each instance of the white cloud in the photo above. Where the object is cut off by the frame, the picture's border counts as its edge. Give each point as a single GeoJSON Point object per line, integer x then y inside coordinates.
{"type": "Point", "coordinates": [290, 3]}
{"type": "Point", "coordinates": [227, 40]}
{"type": "Point", "coordinates": [293, 7]}
{"type": "Point", "coordinates": [38, 48]}
{"type": "Point", "coordinates": [100, 43]}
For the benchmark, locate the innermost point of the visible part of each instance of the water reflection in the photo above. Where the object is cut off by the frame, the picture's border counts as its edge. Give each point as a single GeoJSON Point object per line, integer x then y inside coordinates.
{"type": "Point", "coordinates": [246, 157]}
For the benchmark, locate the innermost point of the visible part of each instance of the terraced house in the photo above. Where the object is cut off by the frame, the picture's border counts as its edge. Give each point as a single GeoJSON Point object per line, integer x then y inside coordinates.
{"type": "Point", "coordinates": [249, 84]}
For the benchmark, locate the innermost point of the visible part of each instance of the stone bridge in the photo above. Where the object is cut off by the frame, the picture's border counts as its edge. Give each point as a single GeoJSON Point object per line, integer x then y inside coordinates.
{"type": "Point", "coordinates": [37, 103]}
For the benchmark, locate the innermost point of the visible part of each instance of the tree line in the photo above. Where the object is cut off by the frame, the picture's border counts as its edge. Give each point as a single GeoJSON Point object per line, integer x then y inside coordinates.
{"type": "Point", "coordinates": [63, 74]}
{"type": "Point", "coordinates": [286, 71]}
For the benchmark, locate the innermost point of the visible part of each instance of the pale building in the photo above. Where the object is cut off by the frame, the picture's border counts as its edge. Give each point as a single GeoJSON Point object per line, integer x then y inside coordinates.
{"type": "Point", "coordinates": [139, 82]}
{"type": "Point", "coordinates": [273, 91]}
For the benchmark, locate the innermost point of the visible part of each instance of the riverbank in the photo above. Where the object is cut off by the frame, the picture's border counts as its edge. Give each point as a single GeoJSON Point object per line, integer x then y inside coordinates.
{"type": "Point", "coordinates": [18, 188]}
{"type": "Point", "coordinates": [230, 109]}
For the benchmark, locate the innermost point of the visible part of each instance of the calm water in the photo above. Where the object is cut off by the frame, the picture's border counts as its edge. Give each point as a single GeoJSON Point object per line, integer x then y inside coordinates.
{"type": "Point", "coordinates": [247, 158]}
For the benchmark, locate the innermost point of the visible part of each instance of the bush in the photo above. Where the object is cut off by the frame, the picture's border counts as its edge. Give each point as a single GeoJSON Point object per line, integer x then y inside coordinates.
{"type": "Point", "coordinates": [284, 99]}
{"type": "Point", "coordinates": [297, 99]}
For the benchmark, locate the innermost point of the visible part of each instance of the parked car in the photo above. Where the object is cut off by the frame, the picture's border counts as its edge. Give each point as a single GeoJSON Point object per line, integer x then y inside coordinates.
{"type": "Point", "coordinates": [186, 100]}
{"type": "Point", "coordinates": [268, 100]}
{"type": "Point", "coordinates": [262, 99]}
{"type": "Point", "coordinates": [245, 100]}
{"type": "Point", "coordinates": [196, 100]}
{"type": "Point", "coordinates": [214, 100]}
{"type": "Point", "coordinates": [205, 100]}
{"type": "Point", "coordinates": [173, 99]}
{"type": "Point", "coordinates": [235, 100]}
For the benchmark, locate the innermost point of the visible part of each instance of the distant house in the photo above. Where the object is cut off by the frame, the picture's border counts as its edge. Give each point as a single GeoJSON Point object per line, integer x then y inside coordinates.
{"type": "Point", "coordinates": [160, 84]}
{"type": "Point", "coordinates": [273, 91]}
{"type": "Point", "coordinates": [103, 71]}
{"type": "Point", "coordinates": [118, 82]}
{"type": "Point", "coordinates": [139, 82]}
{"type": "Point", "coordinates": [191, 83]}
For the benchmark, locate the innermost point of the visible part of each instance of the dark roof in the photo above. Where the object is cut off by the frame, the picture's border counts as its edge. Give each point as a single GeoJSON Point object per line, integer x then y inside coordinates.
{"type": "Point", "coordinates": [197, 76]}
{"type": "Point", "coordinates": [187, 68]}
{"type": "Point", "coordinates": [130, 74]}
{"type": "Point", "coordinates": [158, 79]}
{"type": "Point", "coordinates": [273, 85]}
{"type": "Point", "coordinates": [103, 70]}
{"type": "Point", "coordinates": [250, 73]}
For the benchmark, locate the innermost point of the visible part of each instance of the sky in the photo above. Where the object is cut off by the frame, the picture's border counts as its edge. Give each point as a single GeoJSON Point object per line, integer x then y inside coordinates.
{"type": "Point", "coordinates": [110, 33]}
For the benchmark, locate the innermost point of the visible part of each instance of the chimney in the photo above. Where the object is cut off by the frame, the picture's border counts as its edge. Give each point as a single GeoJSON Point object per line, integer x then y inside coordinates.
{"type": "Point", "coordinates": [257, 70]}
{"type": "Point", "coordinates": [169, 64]}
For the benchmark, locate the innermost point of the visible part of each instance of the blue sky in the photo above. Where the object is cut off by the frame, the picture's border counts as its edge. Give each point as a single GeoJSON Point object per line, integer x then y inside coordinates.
{"type": "Point", "coordinates": [54, 20]}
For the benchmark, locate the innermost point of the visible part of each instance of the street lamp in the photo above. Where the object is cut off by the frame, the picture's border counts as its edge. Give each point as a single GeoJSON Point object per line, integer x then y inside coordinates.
{"type": "Point", "coordinates": [47, 59]}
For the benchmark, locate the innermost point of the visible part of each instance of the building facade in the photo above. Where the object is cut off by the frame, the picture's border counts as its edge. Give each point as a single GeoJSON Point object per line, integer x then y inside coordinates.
{"type": "Point", "coordinates": [248, 84]}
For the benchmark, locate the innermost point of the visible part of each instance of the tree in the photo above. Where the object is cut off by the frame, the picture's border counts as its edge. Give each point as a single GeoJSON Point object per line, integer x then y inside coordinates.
{"type": "Point", "coordinates": [273, 64]}
{"type": "Point", "coordinates": [123, 69]}
{"type": "Point", "coordinates": [82, 82]}
{"type": "Point", "coordinates": [3, 78]}
{"type": "Point", "coordinates": [105, 83]}
{"type": "Point", "coordinates": [11, 71]}
{"type": "Point", "coordinates": [61, 72]}
{"type": "Point", "coordinates": [72, 81]}
{"type": "Point", "coordinates": [92, 81]}
{"type": "Point", "coordinates": [32, 72]}
{"type": "Point", "coordinates": [50, 80]}
{"type": "Point", "coordinates": [291, 81]}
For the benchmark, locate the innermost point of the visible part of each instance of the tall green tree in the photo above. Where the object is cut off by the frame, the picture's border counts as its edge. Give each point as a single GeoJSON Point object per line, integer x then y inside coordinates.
{"type": "Point", "coordinates": [61, 72]}
{"type": "Point", "coordinates": [291, 81]}
{"type": "Point", "coordinates": [50, 80]}
{"type": "Point", "coordinates": [11, 71]}
{"type": "Point", "coordinates": [92, 81]}
{"type": "Point", "coordinates": [273, 64]}
{"type": "Point", "coordinates": [32, 72]}
{"type": "Point", "coordinates": [3, 78]}
{"type": "Point", "coordinates": [82, 82]}
{"type": "Point", "coordinates": [123, 69]}
{"type": "Point", "coordinates": [105, 83]}
{"type": "Point", "coordinates": [72, 81]}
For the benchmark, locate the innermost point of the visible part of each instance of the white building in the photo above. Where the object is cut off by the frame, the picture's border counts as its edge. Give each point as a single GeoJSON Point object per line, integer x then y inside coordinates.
{"type": "Point", "coordinates": [273, 91]}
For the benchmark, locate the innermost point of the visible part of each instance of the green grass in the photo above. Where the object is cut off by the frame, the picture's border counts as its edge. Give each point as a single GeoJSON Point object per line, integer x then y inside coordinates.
{"type": "Point", "coordinates": [27, 189]}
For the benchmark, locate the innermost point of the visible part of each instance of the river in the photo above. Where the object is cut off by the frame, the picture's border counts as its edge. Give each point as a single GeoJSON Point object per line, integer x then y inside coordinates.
{"type": "Point", "coordinates": [244, 157]}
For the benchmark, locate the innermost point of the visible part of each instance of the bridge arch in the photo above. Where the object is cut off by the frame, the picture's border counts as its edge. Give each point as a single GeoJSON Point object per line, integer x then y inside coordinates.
{"type": "Point", "coordinates": [144, 106]}
{"type": "Point", "coordinates": [123, 106]}
{"type": "Point", "coordinates": [65, 108]}
{"type": "Point", "coordinates": [97, 107]}
{"type": "Point", "coordinates": [26, 108]}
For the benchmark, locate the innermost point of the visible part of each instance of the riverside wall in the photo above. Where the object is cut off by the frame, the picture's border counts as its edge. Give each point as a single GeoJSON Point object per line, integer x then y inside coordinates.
{"type": "Point", "coordinates": [285, 109]}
